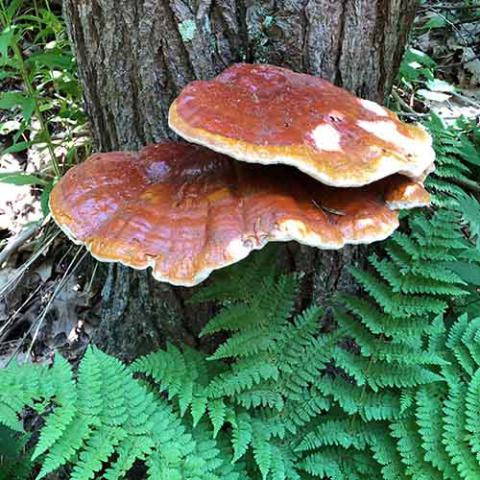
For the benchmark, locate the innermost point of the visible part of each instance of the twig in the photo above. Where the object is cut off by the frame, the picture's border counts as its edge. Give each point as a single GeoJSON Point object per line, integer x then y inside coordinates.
{"type": "Point", "coordinates": [21, 270]}
{"type": "Point", "coordinates": [404, 104]}
{"type": "Point", "coordinates": [426, 115]}
{"type": "Point", "coordinates": [446, 6]}
{"type": "Point", "coordinates": [454, 27]}
{"type": "Point", "coordinates": [459, 64]}
{"type": "Point", "coordinates": [414, 114]}
{"type": "Point", "coordinates": [3, 330]}
{"type": "Point", "coordinates": [90, 283]}
{"type": "Point", "coordinates": [465, 99]}
{"type": "Point", "coordinates": [66, 276]}
{"type": "Point", "coordinates": [17, 240]}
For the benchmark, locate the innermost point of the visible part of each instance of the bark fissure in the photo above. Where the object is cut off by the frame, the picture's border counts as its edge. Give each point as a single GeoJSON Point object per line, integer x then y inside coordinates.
{"type": "Point", "coordinates": [135, 56]}
{"type": "Point", "coordinates": [341, 33]}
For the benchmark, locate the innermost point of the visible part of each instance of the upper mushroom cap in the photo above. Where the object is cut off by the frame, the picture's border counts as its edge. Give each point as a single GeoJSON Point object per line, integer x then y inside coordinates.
{"type": "Point", "coordinates": [186, 211]}
{"type": "Point", "coordinates": [267, 114]}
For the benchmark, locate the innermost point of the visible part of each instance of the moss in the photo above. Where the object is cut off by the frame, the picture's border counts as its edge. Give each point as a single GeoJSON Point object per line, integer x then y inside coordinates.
{"type": "Point", "coordinates": [268, 21]}
{"type": "Point", "coordinates": [187, 30]}
{"type": "Point", "coordinates": [260, 33]}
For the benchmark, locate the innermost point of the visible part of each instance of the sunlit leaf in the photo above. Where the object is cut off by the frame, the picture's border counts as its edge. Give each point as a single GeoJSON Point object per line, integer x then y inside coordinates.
{"type": "Point", "coordinates": [44, 199]}
{"type": "Point", "coordinates": [17, 147]}
{"type": "Point", "coordinates": [437, 85]}
{"type": "Point", "coordinates": [10, 100]}
{"type": "Point", "coordinates": [433, 96]}
{"type": "Point", "coordinates": [6, 38]}
{"type": "Point", "coordinates": [20, 178]}
{"type": "Point", "coordinates": [468, 272]}
{"type": "Point", "coordinates": [50, 60]}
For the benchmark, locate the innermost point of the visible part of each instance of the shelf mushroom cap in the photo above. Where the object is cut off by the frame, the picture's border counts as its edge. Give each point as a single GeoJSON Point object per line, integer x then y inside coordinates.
{"type": "Point", "coordinates": [186, 211]}
{"type": "Point", "coordinates": [403, 193]}
{"type": "Point", "coordinates": [267, 114]}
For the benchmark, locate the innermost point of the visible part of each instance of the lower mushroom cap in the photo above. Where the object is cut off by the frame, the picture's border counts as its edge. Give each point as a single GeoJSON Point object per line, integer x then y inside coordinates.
{"type": "Point", "coordinates": [405, 194]}
{"type": "Point", "coordinates": [186, 211]}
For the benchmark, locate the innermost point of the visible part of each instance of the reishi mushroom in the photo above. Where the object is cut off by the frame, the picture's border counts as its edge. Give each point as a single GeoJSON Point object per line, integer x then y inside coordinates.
{"type": "Point", "coordinates": [270, 115]}
{"type": "Point", "coordinates": [186, 211]}
{"type": "Point", "coordinates": [404, 193]}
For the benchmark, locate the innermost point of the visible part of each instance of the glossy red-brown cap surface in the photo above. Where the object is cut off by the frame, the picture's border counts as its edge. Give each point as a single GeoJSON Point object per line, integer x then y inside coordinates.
{"type": "Point", "coordinates": [404, 193]}
{"type": "Point", "coordinates": [186, 211]}
{"type": "Point", "coordinates": [269, 115]}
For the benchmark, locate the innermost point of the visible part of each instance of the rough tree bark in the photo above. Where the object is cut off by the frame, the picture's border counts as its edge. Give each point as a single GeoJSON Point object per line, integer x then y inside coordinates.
{"type": "Point", "coordinates": [134, 56]}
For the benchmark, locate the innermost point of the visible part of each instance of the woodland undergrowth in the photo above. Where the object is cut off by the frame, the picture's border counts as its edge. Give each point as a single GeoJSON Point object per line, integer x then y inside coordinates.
{"type": "Point", "coordinates": [392, 392]}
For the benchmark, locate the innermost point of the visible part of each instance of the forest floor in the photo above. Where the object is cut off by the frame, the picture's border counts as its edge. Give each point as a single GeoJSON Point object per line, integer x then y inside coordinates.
{"type": "Point", "coordinates": [50, 290]}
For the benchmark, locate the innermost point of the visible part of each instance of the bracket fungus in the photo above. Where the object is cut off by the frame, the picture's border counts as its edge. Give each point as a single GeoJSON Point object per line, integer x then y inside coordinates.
{"type": "Point", "coordinates": [267, 114]}
{"type": "Point", "coordinates": [186, 211]}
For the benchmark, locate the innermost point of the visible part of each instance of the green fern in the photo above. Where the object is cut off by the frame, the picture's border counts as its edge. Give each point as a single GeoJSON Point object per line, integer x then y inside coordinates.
{"type": "Point", "coordinates": [392, 392]}
{"type": "Point", "coordinates": [457, 158]}
{"type": "Point", "coordinates": [437, 437]}
{"type": "Point", "coordinates": [264, 390]}
{"type": "Point", "coordinates": [15, 463]}
{"type": "Point", "coordinates": [105, 417]}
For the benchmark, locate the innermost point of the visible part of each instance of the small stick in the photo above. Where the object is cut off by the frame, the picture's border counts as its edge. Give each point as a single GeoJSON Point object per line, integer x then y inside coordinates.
{"type": "Point", "coordinates": [3, 332]}
{"type": "Point", "coordinates": [458, 64]}
{"type": "Point", "coordinates": [446, 6]}
{"type": "Point", "coordinates": [403, 103]}
{"type": "Point", "coordinates": [465, 99]}
{"type": "Point", "coordinates": [328, 210]}
{"type": "Point", "coordinates": [21, 270]}
{"type": "Point", "coordinates": [67, 275]}
{"type": "Point", "coordinates": [18, 240]}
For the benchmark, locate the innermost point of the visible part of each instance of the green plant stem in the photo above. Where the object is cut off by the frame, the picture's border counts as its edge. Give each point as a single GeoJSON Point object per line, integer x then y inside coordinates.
{"type": "Point", "coordinates": [403, 103]}
{"type": "Point", "coordinates": [469, 184]}
{"type": "Point", "coordinates": [31, 92]}
{"type": "Point", "coordinates": [38, 113]}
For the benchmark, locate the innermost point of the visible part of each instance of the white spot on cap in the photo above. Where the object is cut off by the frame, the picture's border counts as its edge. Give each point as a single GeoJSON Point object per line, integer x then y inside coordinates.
{"type": "Point", "coordinates": [295, 228]}
{"type": "Point", "coordinates": [365, 223]}
{"type": "Point", "coordinates": [410, 190]}
{"type": "Point", "coordinates": [373, 107]}
{"type": "Point", "coordinates": [418, 150]}
{"type": "Point", "coordinates": [386, 131]}
{"type": "Point", "coordinates": [237, 249]}
{"type": "Point", "coordinates": [326, 137]}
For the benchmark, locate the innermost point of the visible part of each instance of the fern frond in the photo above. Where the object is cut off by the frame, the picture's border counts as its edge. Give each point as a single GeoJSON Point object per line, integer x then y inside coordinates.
{"type": "Point", "coordinates": [242, 376]}
{"type": "Point", "coordinates": [429, 419]}
{"type": "Point", "coordinates": [14, 455]}
{"type": "Point", "coordinates": [59, 420]}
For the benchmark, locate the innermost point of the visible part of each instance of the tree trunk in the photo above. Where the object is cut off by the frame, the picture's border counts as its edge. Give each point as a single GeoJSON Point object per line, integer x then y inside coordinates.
{"type": "Point", "coordinates": [134, 57]}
